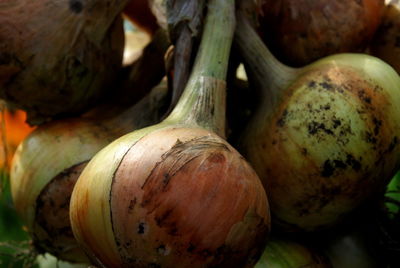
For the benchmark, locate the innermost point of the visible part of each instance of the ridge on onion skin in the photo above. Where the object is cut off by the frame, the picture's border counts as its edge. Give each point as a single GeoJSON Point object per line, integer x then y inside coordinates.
{"type": "Point", "coordinates": [299, 32]}
{"type": "Point", "coordinates": [58, 58]}
{"type": "Point", "coordinates": [324, 138]}
{"type": "Point", "coordinates": [49, 161]}
{"type": "Point", "coordinates": [176, 194]}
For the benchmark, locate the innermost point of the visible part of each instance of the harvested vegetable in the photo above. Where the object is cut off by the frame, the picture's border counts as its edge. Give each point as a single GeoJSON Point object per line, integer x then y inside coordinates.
{"type": "Point", "coordinates": [299, 32]}
{"type": "Point", "coordinates": [324, 138]}
{"type": "Point", "coordinates": [58, 58]}
{"type": "Point", "coordinates": [176, 194]}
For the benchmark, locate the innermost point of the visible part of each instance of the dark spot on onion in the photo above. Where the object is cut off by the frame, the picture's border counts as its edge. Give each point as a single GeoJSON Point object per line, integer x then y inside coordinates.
{"type": "Point", "coordinates": [314, 127]}
{"type": "Point", "coordinates": [141, 228]}
{"type": "Point", "coordinates": [326, 85]}
{"type": "Point", "coordinates": [191, 248]}
{"type": "Point", "coordinates": [75, 6]}
{"type": "Point", "coordinates": [392, 144]}
{"type": "Point", "coordinates": [281, 122]}
{"type": "Point", "coordinates": [378, 124]}
{"type": "Point", "coordinates": [354, 163]}
{"type": "Point", "coordinates": [327, 169]}
{"type": "Point", "coordinates": [311, 84]}
{"type": "Point", "coordinates": [336, 123]}
{"type": "Point", "coordinates": [161, 249]}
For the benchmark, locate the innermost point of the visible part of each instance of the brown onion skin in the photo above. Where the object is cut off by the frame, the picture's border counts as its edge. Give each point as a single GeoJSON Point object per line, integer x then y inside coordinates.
{"type": "Point", "coordinates": [299, 32]}
{"type": "Point", "coordinates": [52, 229]}
{"type": "Point", "coordinates": [385, 44]}
{"type": "Point", "coordinates": [180, 197]}
{"type": "Point", "coordinates": [139, 12]}
{"type": "Point", "coordinates": [58, 58]}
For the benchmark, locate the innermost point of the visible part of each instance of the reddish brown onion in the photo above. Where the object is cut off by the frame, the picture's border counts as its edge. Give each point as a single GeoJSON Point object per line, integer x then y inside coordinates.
{"type": "Point", "coordinates": [301, 31]}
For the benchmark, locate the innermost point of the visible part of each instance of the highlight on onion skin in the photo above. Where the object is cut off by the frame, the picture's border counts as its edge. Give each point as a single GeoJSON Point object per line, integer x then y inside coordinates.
{"type": "Point", "coordinates": [176, 194]}
{"type": "Point", "coordinates": [58, 57]}
{"type": "Point", "coordinates": [49, 161]}
{"type": "Point", "coordinates": [299, 32]}
{"type": "Point", "coordinates": [324, 139]}
{"type": "Point", "coordinates": [385, 44]}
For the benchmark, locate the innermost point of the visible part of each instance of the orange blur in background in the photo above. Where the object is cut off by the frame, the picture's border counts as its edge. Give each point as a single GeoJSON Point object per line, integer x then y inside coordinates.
{"type": "Point", "coordinates": [13, 130]}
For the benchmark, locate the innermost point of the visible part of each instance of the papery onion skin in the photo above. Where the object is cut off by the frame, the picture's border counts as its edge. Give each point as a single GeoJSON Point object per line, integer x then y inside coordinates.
{"type": "Point", "coordinates": [299, 32]}
{"type": "Point", "coordinates": [58, 58]}
{"type": "Point", "coordinates": [188, 200]}
{"type": "Point", "coordinates": [331, 142]}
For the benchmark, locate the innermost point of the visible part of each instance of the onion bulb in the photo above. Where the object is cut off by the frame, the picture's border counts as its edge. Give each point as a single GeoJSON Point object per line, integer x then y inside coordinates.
{"type": "Point", "coordinates": [58, 58]}
{"type": "Point", "coordinates": [49, 161]}
{"type": "Point", "coordinates": [324, 138]}
{"type": "Point", "coordinates": [176, 194]}
{"type": "Point", "coordinates": [302, 31]}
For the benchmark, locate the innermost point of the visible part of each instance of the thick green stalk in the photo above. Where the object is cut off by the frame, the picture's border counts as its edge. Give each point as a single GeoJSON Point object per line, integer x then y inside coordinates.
{"type": "Point", "coordinates": [269, 75]}
{"type": "Point", "coordinates": [203, 100]}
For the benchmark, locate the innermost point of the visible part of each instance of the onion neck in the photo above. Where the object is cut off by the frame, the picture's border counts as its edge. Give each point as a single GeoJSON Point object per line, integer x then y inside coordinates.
{"type": "Point", "coordinates": [266, 73]}
{"type": "Point", "coordinates": [202, 103]}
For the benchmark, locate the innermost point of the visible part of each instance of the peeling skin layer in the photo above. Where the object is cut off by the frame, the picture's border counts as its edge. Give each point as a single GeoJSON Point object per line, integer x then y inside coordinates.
{"type": "Point", "coordinates": [327, 147]}
{"type": "Point", "coordinates": [58, 57]}
{"type": "Point", "coordinates": [188, 199]}
{"type": "Point", "coordinates": [52, 230]}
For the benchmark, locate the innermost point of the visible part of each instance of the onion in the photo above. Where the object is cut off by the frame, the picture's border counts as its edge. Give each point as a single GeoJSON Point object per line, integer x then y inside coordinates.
{"type": "Point", "coordinates": [176, 194]}
{"type": "Point", "coordinates": [284, 253]}
{"type": "Point", "coordinates": [385, 44]}
{"type": "Point", "coordinates": [299, 32]}
{"type": "Point", "coordinates": [324, 138]}
{"type": "Point", "coordinates": [49, 161]}
{"type": "Point", "coordinates": [58, 58]}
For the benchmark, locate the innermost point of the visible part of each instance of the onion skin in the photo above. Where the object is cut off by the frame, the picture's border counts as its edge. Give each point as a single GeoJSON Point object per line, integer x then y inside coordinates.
{"type": "Point", "coordinates": [58, 58]}
{"type": "Point", "coordinates": [299, 32]}
{"type": "Point", "coordinates": [324, 138]}
{"type": "Point", "coordinates": [190, 197]}
{"type": "Point", "coordinates": [385, 43]}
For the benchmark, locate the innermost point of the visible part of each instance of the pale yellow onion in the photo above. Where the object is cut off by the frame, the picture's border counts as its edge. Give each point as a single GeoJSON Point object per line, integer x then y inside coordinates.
{"type": "Point", "coordinates": [324, 138]}
{"type": "Point", "coordinates": [176, 194]}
